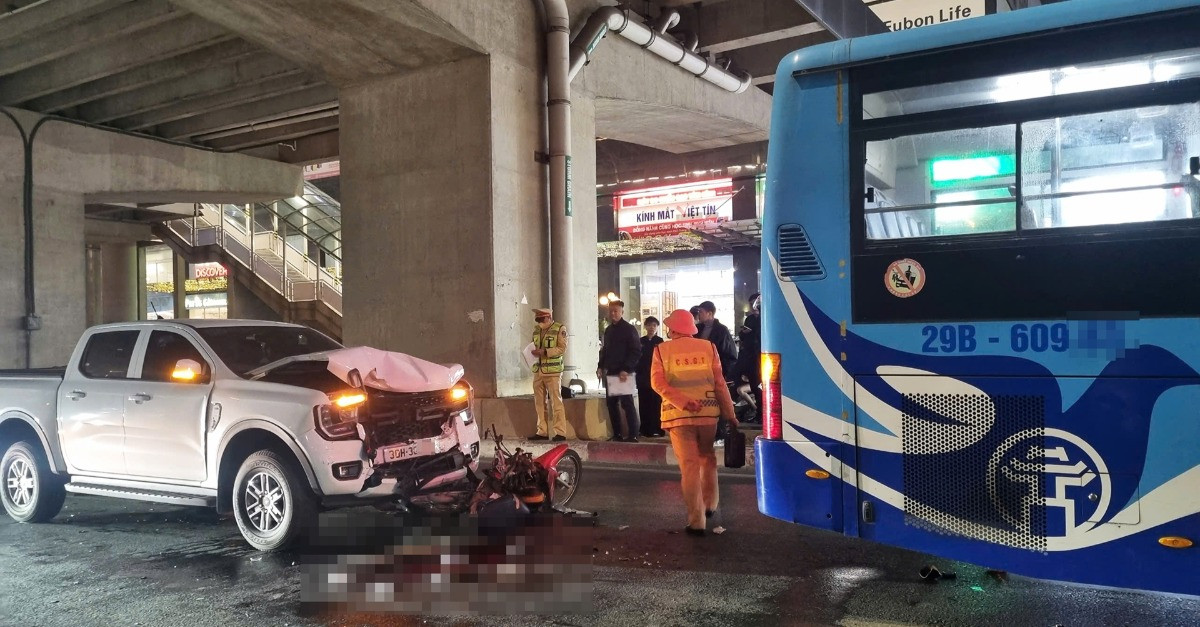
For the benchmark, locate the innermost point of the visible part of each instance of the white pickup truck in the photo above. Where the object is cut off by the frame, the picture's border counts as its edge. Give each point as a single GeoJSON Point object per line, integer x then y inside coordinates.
{"type": "Point", "coordinates": [247, 417]}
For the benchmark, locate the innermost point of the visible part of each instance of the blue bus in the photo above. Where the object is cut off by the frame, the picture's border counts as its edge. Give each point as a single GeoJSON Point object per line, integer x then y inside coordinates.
{"type": "Point", "coordinates": [981, 292]}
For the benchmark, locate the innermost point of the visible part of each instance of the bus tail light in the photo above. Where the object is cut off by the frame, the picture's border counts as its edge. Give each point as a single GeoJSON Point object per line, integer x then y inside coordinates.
{"type": "Point", "coordinates": [772, 397]}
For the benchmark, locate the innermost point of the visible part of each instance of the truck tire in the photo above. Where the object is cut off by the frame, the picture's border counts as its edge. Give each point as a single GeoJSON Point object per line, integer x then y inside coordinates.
{"type": "Point", "coordinates": [30, 491]}
{"type": "Point", "coordinates": [272, 503]}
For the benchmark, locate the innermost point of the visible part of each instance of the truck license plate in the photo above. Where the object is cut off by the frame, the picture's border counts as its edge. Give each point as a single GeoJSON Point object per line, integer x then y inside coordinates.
{"type": "Point", "coordinates": [397, 453]}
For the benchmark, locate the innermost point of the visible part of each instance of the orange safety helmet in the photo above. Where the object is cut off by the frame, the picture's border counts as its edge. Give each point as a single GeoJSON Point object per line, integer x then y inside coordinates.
{"type": "Point", "coordinates": [680, 321]}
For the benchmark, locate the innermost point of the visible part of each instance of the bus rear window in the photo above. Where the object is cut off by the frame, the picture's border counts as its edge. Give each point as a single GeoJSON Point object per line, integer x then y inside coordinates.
{"type": "Point", "coordinates": [943, 183]}
{"type": "Point", "coordinates": [1115, 167]}
{"type": "Point", "coordinates": [1075, 79]}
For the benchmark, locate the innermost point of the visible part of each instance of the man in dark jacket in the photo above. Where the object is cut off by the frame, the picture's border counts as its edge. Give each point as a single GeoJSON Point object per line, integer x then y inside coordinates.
{"type": "Point", "coordinates": [712, 330]}
{"type": "Point", "coordinates": [750, 353]}
{"type": "Point", "coordinates": [619, 355]}
{"type": "Point", "coordinates": [717, 333]}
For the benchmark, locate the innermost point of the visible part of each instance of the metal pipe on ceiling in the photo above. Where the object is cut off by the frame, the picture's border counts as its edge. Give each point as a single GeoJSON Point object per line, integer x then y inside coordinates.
{"type": "Point", "coordinates": [611, 19]}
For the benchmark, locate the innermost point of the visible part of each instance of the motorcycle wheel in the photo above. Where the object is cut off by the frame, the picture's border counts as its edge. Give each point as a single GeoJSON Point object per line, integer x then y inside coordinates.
{"type": "Point", "coordinates": [570, 471]}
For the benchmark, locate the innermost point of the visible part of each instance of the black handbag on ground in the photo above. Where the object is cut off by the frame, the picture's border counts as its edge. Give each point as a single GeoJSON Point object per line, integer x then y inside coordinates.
{"type": "Point", "coordinates": [735, 449]}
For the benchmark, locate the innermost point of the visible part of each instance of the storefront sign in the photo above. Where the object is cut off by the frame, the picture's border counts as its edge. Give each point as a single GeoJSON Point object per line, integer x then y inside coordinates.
{"type": "Point", "coordinates": [209, 271]}
{"type": "Point", "coordinates": [201, 301]}
{"type": "Point", "coordinates": [322, 170]}
{"type": "Point", "coordinates": [673, 209]}
{"type": "Point", "coordinates": [906, 14]}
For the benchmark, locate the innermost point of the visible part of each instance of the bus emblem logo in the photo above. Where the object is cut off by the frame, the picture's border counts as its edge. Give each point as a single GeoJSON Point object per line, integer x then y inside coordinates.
{"type": "Point", "coordinates": [1052, 477]}
{"type": "Point", "coordinates": [904, 278]}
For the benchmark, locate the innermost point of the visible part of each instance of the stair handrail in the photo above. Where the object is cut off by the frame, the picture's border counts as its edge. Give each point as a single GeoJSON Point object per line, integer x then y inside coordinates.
{"type": "Point", "coordinates": [326, 285]}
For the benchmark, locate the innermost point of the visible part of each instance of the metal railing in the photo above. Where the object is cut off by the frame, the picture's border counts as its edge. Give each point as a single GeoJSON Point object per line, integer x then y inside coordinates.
{"type": "Point", "coordinates": [249, 234]}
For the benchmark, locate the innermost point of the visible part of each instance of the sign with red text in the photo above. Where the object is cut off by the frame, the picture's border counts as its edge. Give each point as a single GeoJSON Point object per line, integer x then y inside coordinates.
{"type": "Point", "coordinates": [673, 209]}
{"type": "Point", "coordinates": [209, 271]}
{"type": "Point", "coordinates": [322, 170]}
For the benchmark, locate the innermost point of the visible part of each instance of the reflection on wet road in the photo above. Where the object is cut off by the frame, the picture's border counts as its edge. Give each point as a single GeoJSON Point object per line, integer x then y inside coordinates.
{"type": "Point", "coordinates": [110, 562]}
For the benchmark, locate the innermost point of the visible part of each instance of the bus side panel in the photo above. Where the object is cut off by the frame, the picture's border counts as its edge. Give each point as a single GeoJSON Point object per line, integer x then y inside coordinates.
{"type": "Point", "coordinates": [793, 487]}
{"type": "Point", "coordinates": [995, 471]}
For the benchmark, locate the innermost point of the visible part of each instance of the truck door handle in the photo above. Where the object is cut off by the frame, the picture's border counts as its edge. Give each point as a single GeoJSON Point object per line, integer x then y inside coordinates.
{"type": "Point", "coordinates": [76, 395]}
{"type": "Point", "coordinates": [139, 398]}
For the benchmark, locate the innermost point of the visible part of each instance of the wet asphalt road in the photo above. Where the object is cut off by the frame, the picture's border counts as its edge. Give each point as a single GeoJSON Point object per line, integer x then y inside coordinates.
{"type": "Point", "coordinates": [111, 562]}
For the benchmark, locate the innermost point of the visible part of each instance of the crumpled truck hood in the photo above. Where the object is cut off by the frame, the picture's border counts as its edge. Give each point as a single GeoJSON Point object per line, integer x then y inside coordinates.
{"type": "Point", "coordinates": [392, 372]}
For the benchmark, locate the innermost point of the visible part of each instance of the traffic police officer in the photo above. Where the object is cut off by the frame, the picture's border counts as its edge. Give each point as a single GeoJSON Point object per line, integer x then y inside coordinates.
{"type": "Point", "coordinates": [686, 372]}
{"type": "Point", "coordinates": [549, 344]}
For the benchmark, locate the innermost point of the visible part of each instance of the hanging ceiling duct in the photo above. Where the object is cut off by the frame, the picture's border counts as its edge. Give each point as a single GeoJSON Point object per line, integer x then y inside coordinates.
{"type": "Point", "coordinates": [654, 39]}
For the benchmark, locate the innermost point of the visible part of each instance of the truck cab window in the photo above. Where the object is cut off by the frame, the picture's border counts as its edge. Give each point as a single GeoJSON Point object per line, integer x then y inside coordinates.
{"type": "Point", "coordinates": [107, 355]}
{"type": "Point", "coordinates": [163, 352]}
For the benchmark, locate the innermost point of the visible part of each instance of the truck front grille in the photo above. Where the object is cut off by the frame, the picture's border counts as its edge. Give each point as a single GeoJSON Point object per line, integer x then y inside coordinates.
{"type": "Point", "coordinates": [393, 418]}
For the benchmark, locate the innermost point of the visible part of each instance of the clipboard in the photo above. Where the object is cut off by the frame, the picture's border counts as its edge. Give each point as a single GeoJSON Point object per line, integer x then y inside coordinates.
{"type": "Point", "coordinates": [527, 354]}
{"type": "Point", "coordinates": [615, 387]}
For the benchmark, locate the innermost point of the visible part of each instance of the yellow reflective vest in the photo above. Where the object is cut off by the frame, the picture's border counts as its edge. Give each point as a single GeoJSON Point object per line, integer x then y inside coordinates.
{"type": "Point", "coordinates": [548, 340]}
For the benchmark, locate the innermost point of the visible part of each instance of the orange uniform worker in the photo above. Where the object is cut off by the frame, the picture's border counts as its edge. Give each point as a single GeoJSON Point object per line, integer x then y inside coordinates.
{"type": "Point", "coordinates": [686, 372]}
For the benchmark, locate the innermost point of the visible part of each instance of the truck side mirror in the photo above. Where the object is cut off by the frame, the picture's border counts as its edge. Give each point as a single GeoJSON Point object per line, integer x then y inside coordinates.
{"type": "Point", "coordinates": [188, 371]}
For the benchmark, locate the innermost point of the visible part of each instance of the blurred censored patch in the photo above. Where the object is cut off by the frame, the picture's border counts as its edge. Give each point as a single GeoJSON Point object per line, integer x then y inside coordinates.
{"type": "Point", "coordinates": [454, 566]}
{"type": "Point", "coordinates": [1107, 338]}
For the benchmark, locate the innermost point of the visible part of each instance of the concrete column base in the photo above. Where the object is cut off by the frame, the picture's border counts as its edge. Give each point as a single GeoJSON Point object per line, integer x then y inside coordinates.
{"type": "Point", "coordinates": [587, 417]}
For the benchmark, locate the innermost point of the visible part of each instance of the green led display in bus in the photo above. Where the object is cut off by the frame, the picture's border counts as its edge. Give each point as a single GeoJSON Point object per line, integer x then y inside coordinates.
{"type": "Point", "coordinates": [957, 169]}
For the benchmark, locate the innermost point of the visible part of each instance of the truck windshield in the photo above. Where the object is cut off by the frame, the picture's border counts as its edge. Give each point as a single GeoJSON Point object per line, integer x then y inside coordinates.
{"type": "Point", "coordinates": [245, 348]}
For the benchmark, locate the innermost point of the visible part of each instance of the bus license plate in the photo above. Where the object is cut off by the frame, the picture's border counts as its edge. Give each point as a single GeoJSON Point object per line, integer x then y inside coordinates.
{"type": "Point", "coordinates": [397, 453]}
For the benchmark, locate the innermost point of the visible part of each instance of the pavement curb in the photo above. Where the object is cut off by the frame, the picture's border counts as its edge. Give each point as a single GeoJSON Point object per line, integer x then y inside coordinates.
{"type": "Point", "coordinates": [643, 453]}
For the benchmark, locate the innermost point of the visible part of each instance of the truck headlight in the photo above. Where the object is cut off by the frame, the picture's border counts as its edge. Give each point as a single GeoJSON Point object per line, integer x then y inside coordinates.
{"type": "Point", "coordinates": [338, 419]}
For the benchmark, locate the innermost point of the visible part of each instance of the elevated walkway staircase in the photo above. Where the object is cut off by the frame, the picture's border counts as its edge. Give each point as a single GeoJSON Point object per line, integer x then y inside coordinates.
{"type": "Point", "coordinates": [287, 253]}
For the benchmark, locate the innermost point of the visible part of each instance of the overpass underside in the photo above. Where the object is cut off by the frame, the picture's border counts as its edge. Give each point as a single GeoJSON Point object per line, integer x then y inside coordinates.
{"type": "Point", "coordinates": [436, 109]}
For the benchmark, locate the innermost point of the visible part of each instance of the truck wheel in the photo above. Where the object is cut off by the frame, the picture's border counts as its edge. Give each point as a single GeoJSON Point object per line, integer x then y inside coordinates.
{"type": "Point", "coordinates": [271, 501]}
{"type": "Point", "coordinates": [31, 492]}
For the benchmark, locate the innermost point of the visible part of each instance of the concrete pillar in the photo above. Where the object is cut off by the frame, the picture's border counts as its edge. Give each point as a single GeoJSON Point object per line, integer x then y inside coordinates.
{"type": "Point", "coordinates": [95, 284]}
{"type": "Point", "coordinates": [112, 287]}
{"type": "Point", "coordinates": [444, 217]}
{"type": "Point", "coordinates": [180, 271]}
{"type": "Point", "coordinates": [246, 305]}
{"type": "Point", "coordinates": [59, 273]}
{"type": "Point", "coordinates": [12, 307]}
{"type": "Point", "coordinates": [119, 283]}
{"type": "Point", "coordinates": [585, 333]}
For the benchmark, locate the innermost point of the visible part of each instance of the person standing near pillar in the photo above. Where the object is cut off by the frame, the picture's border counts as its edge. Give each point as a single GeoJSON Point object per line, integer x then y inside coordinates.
{"type": "Point", "coordinates": [649, 402]}
{"type": "Point", "coordinates": [686, 372]}
{"type": "Point", "coordinates": [549, 344]}
{"type": "Point", "coordinates": [619, 355]}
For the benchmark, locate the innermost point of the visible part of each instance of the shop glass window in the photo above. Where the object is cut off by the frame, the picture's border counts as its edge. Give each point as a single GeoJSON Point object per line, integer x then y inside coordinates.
{"type": "Point", "coordinates": [1110, 168]}
{"type": "Point", "coordinates": [107, 355]}
{"type": "Point", "coordinates": [163, 352]}
{"type": "Point", "coordinates": [942, 183]}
